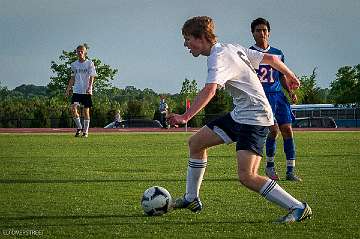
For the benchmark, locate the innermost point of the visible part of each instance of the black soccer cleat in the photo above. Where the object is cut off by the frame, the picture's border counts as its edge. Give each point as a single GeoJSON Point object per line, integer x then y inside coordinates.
{"type": "Point", "coordinates": [78, 132]}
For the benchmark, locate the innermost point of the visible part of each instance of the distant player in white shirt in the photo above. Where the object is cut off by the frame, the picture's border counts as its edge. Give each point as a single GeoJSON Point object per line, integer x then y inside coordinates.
{"type": "Point", "coordinates": [117, 121]}
{"type": "Point", "coordinates": [81, 84]}
{"type": "Point", "coordinates": [232, 67]}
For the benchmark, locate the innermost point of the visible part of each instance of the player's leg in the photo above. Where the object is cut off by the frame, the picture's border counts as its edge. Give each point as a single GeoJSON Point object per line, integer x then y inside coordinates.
{"type": "Point", "coordinates": [163, 119]}
{"type": "Point", "coordinates": [87, 102]}
{"type": "Point", "coordinates": [249, 149]}
{"type": "Point", "coordinates": [285, 118]}
{"type": "Point", "coordinates": [289, 149]}
{"type": "Point", "coordinates": [86, 121]}
{"type": "Point", "coordinates": [271, 140]}
{"type": "Point", "coordinates": [76, 117]}
{"type": "Point", "coordinates": [198, 144]}
{"type": "Point", "coordinates": [75, 113]}
{"type": "Point", "coordinates": [270, 152]}
{"type": "Point", "coordinates": [216, 132]}
{"type": "Point", "coordinates": [250, 140]}
{"type": "Point", "coordinates": [248, 176]}
{"type": "Point", "coordinates": [248, 164]}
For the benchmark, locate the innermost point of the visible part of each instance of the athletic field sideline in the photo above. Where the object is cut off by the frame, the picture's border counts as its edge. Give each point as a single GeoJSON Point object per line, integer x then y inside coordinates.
{"type": "Point", "coordinates": [59, 186]}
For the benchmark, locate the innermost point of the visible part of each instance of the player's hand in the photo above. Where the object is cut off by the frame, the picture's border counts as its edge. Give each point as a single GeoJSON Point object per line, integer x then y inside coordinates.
{"type": "Point", "coordinates": [292, 82]}
{"type": "Point", "coordinates": [175, 119]}
{"type": "Point", "coordinates": [293, 97]}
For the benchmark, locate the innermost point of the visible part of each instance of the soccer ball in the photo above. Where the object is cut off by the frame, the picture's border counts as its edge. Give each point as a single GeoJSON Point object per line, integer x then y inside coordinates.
{"type": "Point", "coordinates": [156, 201]}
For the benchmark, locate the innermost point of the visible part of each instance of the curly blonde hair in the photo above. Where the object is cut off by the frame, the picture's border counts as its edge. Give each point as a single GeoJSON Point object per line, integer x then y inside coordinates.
{"type": "Point", "coordinates": [200, 26]}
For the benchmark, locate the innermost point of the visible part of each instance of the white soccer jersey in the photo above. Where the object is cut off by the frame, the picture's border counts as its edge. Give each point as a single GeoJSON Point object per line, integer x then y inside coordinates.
{"type": "Point", "coordinates": [232, 67]}
{"type": "Point", "coordinates": [82, 71]}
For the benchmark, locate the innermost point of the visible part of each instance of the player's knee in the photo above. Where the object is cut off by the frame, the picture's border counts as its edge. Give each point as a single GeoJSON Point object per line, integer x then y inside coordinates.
{"type": "Point", "coordinates": [245, 178]}
{"type": "Point", "coordinates": [273, 133]}
{"type": "Point", "coordinates": [193, 142]}
{"type": "Point", "coordinates": [73, 110]}
{"type": "Point", "coordinates": [196, 148]}
{"type": "Point", "coordinates": [286, 132]}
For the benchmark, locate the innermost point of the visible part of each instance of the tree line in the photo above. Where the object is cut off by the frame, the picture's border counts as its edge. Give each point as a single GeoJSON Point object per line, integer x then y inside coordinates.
{"type": "Point", "coordinates": [46, 106]}
{"type": "Point", "coordinates": [38, 106]}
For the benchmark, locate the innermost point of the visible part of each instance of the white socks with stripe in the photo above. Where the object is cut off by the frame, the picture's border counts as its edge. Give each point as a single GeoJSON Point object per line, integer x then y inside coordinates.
{"type": "Point", "coordinates": [86, 125]}
{"type": "Point", "coordinates": [78, 123]}
{"type": "Point", "coordinates": [274, 193]}
{"type": "Point", "coordinates": [195, 174]}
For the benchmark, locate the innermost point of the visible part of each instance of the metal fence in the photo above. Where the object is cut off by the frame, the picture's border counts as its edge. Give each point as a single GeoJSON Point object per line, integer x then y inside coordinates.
{"type": "Point", "coordinates": [344, 117]}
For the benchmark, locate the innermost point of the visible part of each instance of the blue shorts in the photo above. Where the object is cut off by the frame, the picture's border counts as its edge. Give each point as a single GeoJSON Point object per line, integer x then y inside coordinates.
{"type": "Point", "coordinates": [280, 107]}
{"type": "Point", "coordinates": [247, 137]}
{"type": "Point", "coordinates": [84, 99]}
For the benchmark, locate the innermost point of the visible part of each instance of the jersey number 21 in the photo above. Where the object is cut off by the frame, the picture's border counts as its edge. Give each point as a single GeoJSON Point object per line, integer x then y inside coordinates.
{"type": "Point", "coordinates": [266, 74]}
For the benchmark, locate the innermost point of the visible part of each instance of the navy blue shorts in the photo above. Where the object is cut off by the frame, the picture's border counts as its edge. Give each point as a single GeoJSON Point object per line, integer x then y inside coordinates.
{"type": "Point", "coordinates": [84, 99]}
{"type": "Point", "coordinates": [247, 137]}
{"type": "Point", "coordinates": [281, 108]}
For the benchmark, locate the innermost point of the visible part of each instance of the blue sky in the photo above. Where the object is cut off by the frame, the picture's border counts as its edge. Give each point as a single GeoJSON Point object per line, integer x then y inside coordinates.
{"type": "Point", "coordinates": [142, 38]}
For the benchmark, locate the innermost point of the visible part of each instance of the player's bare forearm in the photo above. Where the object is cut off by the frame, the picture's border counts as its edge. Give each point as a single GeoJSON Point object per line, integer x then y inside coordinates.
{"type": "Point", "coordinates": [277, 64]}
{"type": "Point", "coordinates": [201, 100]}
{"type": "Point", "coordinates": [292, 82]}
{"type": "Point", "coordinates": [283, 83]}
{"type": "Point", "coordinates": [91, 81]}
{"type": "Point", "coordinates": [291, 93]}
{"type": "Point", "coordinates": [70, 85]}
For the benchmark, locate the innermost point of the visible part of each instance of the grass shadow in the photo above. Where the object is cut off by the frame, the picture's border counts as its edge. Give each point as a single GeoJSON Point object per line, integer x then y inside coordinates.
{"type": "Point", "coordinates": [149, 221]}
{"type": "Point", "coordinates": [82, 181]}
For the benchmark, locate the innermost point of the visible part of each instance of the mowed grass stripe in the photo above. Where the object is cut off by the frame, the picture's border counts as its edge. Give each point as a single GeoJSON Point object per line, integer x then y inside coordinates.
{"type": "Point", "coordinates": [91, 188]}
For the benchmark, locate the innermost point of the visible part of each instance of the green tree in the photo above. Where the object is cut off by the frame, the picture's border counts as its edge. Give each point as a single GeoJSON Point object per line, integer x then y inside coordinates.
{"type": "Point", "coordinates": [4, 92]}
{"type": "Point", "coordinates": [62, 73]}
{"type": "Point", "coordinates": [345, 89]}
{"type": "Point", "coordinates": [220, 104]}
{"type": "Point", "coordinates": [308, 92]}
{"type": "Point", "coordinates": [135, 109]}
{"type": "Point", "coordinates": [324, 96]}
{"type": "Point", "coordinates": [188, 91]}
{"type": "Point", "coordinates": [31, 90]}
{"type": "Point", "coordinates": [189, 88]}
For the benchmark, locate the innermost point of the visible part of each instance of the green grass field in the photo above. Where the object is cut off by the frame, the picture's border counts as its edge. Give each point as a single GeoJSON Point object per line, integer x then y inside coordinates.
{"type": "Point", "coordinates": [58, 186]}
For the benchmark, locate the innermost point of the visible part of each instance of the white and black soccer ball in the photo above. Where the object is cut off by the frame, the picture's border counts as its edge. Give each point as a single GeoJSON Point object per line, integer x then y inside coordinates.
{"type": "Point", "coordinates": [156, 201]}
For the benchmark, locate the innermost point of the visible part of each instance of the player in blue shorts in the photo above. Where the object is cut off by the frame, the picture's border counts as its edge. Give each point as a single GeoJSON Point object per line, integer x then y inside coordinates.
{"type": "Point", "coordinates": [233, 67]}
{"type": "Point", "coordinates": [273, 81]}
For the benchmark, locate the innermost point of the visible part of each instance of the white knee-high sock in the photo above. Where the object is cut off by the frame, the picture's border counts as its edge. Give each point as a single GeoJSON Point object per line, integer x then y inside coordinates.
{"type": "Point", "coordinates": [274, 193]}
{"type": "Point", "coordinates": [78, 123]}
{"type": "Point", "coordinates": [195, 174]}
{"type": "Point", "coordinates": [86, 125]}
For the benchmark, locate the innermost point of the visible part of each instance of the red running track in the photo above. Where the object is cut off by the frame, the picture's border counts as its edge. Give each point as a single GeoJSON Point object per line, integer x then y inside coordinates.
{"type": "Point", "coordinates": [119, 130]}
